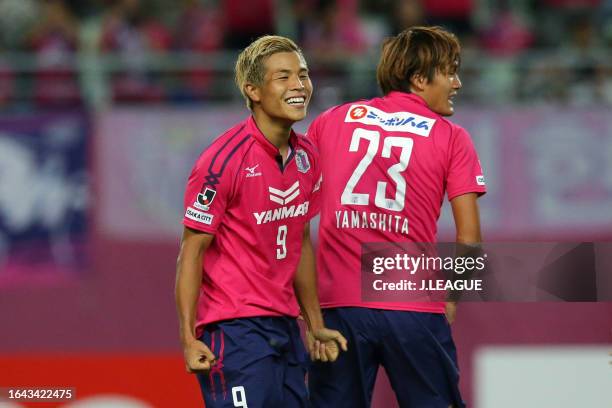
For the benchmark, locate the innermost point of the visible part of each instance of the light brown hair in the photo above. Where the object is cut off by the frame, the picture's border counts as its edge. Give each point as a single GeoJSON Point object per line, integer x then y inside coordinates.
{"type": "Point", "coordinates": [416, 51]}
{"type": "Point", "coordinates": [250, 64]}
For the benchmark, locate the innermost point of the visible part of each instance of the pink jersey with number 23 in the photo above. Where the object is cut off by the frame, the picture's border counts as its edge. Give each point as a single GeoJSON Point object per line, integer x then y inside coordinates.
{"type": "Point", "coordinates": [387, 164]}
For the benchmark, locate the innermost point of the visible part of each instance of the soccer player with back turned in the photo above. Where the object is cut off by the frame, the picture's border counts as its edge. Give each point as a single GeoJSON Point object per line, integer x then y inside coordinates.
{"type": "Point", "coordinates": [248, 203]}
{"type": "Point", "coordinates": [387, 164]}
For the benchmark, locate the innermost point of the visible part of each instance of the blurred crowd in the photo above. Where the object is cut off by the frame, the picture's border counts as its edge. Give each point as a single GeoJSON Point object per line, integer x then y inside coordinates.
{"type": "Point", "coordinates": [59, 53]}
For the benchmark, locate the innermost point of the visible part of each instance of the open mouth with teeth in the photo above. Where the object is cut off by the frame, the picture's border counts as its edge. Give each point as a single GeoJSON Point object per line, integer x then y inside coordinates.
{"type": "Point", "coordinates": [297, 101]}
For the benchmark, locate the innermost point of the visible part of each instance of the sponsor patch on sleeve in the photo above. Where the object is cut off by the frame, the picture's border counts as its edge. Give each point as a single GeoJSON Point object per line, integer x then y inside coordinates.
{"type": "Point", "coordinates": [199, 216]}
{"type": "Point", "coordinates": [391, 121]}
{"type": "Point", "coordinates": [480, 180]}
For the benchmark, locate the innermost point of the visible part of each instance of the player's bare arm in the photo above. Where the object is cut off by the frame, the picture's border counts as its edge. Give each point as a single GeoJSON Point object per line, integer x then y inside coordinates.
{"type": "Point", "coordinates": [467, 218]}
{"type": "Point", "coordinates": [323, 344]}
{"type": "Point", "coordinates": [467, 226]}
{"type": "Point", "coordinates": [198, 356]}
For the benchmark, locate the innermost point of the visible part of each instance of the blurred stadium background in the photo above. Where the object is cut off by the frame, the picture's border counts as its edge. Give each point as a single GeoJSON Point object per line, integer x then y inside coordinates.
{"type": "Point", "coordinates": [105, 104]}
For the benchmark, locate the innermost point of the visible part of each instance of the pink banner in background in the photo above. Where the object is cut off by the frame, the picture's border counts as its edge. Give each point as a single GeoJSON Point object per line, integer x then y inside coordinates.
{"type": "Point", "coordinates": [548, 171]}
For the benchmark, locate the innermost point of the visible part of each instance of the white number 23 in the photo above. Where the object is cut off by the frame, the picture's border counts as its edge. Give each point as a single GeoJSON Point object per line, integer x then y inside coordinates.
{"type": "Point", "coordinates": [373, 137]}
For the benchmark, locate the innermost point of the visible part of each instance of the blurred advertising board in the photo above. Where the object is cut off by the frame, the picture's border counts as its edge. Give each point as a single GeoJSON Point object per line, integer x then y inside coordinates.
{"type": "Point", "coordinates": [538, 376]}
{"type": "Point", "coordinates": [44, 196]}
{"type": "Point", "coordinates": [548, 171]}
{"type": "Point", "coordinates": [143, 160]}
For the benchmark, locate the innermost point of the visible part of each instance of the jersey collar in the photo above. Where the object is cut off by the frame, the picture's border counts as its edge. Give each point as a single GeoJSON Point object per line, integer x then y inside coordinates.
{"type": "Point", "coordinates": [265, 143]}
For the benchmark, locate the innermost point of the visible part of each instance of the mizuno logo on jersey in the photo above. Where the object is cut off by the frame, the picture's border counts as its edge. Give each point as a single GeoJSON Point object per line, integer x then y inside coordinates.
{"type": "Point", "coordinates": [281, 213]}
{"type": "Point", "coordinates": [392, 121]}
{"type": "Point", "coordinates": [251, 171]}
{"type": "Point", "coordinates": [284, 197]}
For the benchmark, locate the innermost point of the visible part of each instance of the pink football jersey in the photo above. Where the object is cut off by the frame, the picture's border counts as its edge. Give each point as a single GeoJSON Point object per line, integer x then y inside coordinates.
{"type": "Point", "coordinates": [256, 208]}
{"type": "Point", "coordinates": [386, 163]}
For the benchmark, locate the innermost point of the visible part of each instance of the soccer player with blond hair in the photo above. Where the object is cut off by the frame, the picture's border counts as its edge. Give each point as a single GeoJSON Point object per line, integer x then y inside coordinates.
{"type": "Point", "coordinates": [246, 266]}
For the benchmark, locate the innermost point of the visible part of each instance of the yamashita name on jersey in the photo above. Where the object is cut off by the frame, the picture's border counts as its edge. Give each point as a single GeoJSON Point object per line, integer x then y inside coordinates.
{"type": "Point", "coordinates": [281, 213]}
{"type": "Point", "coordinates": [372, 220]}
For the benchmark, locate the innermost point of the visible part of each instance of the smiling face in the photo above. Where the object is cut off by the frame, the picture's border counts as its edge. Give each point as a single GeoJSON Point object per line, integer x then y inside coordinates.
{"type": "Point", "coordinates": [424, 61]}
{"type": "Point", "coordinates": [285, 90]}
{"type": "Point", "coordinates": [440, 91]}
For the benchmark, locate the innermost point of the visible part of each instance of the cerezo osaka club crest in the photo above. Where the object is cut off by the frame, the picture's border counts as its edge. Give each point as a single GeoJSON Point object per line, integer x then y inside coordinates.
{"type": "Point", "coordinates": [301, 159]}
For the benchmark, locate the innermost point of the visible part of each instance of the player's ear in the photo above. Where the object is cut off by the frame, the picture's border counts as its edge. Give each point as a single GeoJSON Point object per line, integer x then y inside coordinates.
{"type": "Point", "coordinates": [253, 92]}
{"type": "Point", "coordinates": [418, 82]}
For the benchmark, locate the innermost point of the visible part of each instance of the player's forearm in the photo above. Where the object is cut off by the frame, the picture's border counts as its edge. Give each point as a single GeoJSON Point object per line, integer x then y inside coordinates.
{"type": "Point", "coordinates": [187, 291]}
{"type": "Point", "coordinates": [305, 286]}
{"type": "Point", "coordinates": [308, 300]}
{"type": "Point", "coordinates": [467, 219]}
{"type": "Point", "coordinates": [468, 237]}
{"type": "Point", "coordinates": [467, 223]}
{"type": "Point", "coordinates": [468, 246]}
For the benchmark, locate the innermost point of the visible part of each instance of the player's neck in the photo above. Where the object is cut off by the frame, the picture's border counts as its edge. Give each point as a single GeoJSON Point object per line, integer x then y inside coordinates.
{"type": "Point", "coordinates": [276, 132]}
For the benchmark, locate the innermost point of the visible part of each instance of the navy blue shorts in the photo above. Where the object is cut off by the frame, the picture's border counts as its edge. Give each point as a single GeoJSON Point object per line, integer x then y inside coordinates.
{"type": "Point", "coordinates": [416, 349]}
{"type": "Point", "coordinates": [261, 363]}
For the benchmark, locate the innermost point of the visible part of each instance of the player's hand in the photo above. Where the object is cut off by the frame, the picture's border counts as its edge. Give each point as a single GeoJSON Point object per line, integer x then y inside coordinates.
{"type": "Point", "coordinates": [198, 357]}
{"type": "Point", "coordinates": [451, 311]}
{"type": "Point", "coordinates": [325, 344]}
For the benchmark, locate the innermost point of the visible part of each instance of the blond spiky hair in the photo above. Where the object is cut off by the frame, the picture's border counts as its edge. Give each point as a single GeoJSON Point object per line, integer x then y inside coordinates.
{"type": "Point", "coordinates": [250, 64]}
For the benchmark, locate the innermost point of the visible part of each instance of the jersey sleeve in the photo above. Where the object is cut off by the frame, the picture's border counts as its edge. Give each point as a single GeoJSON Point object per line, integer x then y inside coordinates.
{"type": "Point", "coordinates": [313, 134]}
{"type": "Point", "coordinates": [464, 171]}
{"type": "Point", "coordinates": [314, 130]}
{"type": "Point", "coordinates": [207, 193]}
{"type": "Point", "coordinates": [315, 196]}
